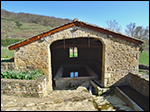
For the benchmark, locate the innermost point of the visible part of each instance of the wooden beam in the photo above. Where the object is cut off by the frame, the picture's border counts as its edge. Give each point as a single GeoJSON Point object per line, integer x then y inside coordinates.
{"type": "Point", "coordinates": [79, 46]}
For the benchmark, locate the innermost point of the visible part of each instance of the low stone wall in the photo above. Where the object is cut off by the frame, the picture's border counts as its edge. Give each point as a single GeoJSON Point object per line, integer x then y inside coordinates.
{"type": "Point", "coordinates": [38, 88]}
{"type": "Point", "coordinates": [68, 83]}
{"type": "Point", "coordinates": [140, 82]}
{"type": "Point", "coordinates": [7, 65]}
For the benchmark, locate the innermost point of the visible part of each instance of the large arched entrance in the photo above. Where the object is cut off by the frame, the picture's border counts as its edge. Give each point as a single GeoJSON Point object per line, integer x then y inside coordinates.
{"type": "Point", "coordinates": [77, 58]}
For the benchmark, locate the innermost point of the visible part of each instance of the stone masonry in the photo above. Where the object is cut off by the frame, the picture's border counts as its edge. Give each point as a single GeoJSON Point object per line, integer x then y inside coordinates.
{"type": "Point", "coordinates": [35, 88]}
{"type": "Point", "coordinates": [119, 56]}
{"type": "Point", "coordinates": [140, 82]}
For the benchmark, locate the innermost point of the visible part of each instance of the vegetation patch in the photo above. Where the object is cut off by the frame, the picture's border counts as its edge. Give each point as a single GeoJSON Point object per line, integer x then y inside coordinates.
{"type": "Point", "coordinates": [143, 71]}
{"type": "Point", "coordinates": [26, 75]}
{"type": "Point", "coordinates": [6, 53]}
{"type": "Point", "coordinates": [9, 41]}
{"type": "Point", "coordinates": [7, 60]}
{"type": "Point", "coordinates": [144, 58]}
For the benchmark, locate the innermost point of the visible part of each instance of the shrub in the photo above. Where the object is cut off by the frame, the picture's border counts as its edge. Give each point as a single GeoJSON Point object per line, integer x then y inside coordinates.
{"type": "Point", "coordinates": [26, 75]}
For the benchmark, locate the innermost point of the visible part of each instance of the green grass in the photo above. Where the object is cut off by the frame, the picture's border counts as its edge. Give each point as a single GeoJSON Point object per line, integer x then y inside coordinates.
{"type": "Point", "coordinates": [143, 71]}
{"type": "Point", "coordinates": [7, 60]}
{"type": "Point", "coordinates": [144, 58]}
{"type": "Point", "coordinates": [6, 53]}
{"type": "Point", "coordinates": [27, 30]}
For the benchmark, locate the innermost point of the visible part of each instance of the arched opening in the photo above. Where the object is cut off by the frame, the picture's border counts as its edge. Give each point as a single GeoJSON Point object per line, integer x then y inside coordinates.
{"type": "Point", "coordinates": [77, 58]}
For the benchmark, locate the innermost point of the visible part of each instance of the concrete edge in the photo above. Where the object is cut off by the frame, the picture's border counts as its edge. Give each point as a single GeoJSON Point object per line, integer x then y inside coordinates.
{"type": "Point", "coordinates": [130, 102]}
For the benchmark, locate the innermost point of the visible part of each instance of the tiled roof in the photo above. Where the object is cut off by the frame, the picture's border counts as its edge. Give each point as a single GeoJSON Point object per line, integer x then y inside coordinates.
{"type": "Point", "coordinates": [75, 22]}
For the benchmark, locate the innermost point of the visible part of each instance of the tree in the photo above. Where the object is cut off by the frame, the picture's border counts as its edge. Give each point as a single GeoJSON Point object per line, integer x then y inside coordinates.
{"type": "Point", "coordinates": [137, 31]}
{"type": "Point", "coordinates": [18, 24]}
{"type": "Point", "coordinates": [113, 25]}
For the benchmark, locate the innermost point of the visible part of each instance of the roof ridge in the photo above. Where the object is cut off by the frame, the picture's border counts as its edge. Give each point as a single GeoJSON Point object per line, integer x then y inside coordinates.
{"type": "Point", "coordinates": [73, 23]}
{"type": "Point", "coordinates": [111, 30]}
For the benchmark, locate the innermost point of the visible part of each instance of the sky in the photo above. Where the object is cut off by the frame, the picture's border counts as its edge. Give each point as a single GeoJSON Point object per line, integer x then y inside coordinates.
{"type": "Point", "coordinates": [93, 12]}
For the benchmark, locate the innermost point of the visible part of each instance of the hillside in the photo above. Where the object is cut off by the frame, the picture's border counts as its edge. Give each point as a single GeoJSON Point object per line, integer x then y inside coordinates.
{"type": "Point", "coordinates": [31, 24]}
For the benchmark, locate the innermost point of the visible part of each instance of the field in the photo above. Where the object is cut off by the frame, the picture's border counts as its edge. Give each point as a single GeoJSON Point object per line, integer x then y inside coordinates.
{"type": "Point", "coordinates": [144, 58]}
{"type": "Point", "coordinates": [6, 53]}
{"type": "Point", "coordinates": [9, 29]}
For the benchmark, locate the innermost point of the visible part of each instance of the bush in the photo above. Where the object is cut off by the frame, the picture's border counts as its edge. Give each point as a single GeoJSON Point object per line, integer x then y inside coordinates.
{"type": "Point", "coordinates": [27, 75]}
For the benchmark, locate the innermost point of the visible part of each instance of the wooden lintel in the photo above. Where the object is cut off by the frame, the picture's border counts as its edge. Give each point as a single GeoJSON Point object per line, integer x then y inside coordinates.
{"type": "Point", "coordinates": [79, 46]}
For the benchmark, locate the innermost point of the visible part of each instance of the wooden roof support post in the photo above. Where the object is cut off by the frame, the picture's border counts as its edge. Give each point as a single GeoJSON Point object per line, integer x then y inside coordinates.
{"type": "Point", "coordinates": [64, 42]}
{"type": "Point", "coordinates": [88, 41]}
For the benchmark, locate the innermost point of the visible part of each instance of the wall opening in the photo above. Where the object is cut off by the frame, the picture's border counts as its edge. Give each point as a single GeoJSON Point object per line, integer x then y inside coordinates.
{"type": "Point", "coordinates": [77, 53]}
{"type": "Point", "coordinates": [74, 74]}
{"type": "Point", "coordinates": [73, 52]}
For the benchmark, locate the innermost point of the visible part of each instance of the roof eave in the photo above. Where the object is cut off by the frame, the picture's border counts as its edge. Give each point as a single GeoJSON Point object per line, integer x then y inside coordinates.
{"type": "Point", "coordinates": [77, 23]}
{"type": "Point", "coordinates": [109, 32]}
{"type": "Point", "coordinates": [27, 41]}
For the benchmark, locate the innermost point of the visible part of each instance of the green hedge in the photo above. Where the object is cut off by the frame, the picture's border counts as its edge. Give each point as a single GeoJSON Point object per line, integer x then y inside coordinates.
{"type": "Point", "coordinates": [27, 75]}
{"type": "Point", "coordinates": [9, 41]}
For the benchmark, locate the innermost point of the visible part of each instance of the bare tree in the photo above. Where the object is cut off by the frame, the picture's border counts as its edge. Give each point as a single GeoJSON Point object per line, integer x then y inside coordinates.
{"type": "Point", "coordinates": [113, 25]}
{"type": "Point", "coordinates": [137, 31]}
{"type": "Point", "coordinates": [130, 29]}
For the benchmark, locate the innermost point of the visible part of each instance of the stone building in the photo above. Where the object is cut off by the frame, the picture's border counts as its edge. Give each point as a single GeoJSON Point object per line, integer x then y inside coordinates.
{"type": "Point", "coordinates": [78, 51]}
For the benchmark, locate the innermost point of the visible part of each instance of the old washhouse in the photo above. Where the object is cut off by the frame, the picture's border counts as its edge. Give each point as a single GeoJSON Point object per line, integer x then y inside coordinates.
{"type": "Point", "coordinates": [77, 52]}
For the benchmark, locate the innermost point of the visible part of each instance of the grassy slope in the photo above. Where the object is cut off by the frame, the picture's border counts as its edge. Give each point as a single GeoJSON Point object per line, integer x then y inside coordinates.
{"type": "Point", "coordinates": [27, 30]}
{"type": "Point", "coordinates": [6, 53]}
{"type": "Point", "coordinates": [144, 58]}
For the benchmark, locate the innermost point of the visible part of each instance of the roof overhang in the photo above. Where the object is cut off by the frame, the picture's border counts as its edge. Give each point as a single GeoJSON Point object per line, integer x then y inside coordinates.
{"type": "Point", "coordinates": [76, 23]}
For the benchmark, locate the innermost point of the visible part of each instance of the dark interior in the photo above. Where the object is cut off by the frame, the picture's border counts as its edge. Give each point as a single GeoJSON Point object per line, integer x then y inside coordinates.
{"type": "Point", "coordinates": [89, 53]}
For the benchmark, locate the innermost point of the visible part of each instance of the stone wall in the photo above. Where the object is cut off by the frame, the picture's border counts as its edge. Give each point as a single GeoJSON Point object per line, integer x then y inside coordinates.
{"type": "Point", "coordinates": [33, 56]}
{"type": "Point", "coordinates": [37, 88]}
{"type": "Point", "coordinates": [119, 57]}
{"type": "Point", "coordinates": [7, 65]}
{"type": "Point", "coordinates": [70, 83]}
{"type": "Point", "coordinates": [140, 82]}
